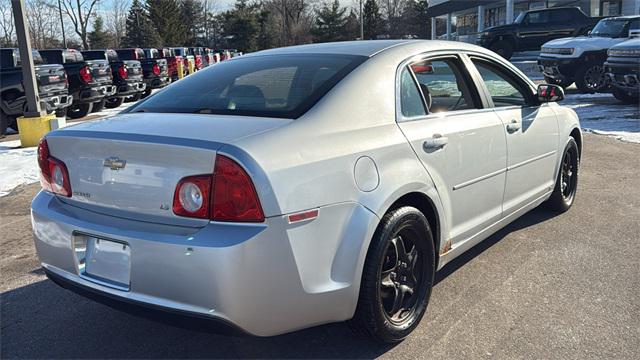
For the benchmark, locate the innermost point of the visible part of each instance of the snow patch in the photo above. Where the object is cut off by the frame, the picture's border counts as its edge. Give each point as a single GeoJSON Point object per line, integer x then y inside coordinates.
{"type": "Point", "coordinates": [18, 166]}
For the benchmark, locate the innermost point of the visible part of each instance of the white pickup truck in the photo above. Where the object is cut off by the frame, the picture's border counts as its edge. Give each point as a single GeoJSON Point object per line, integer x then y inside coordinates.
{"type": "Point", "coordinates": [581, 59]}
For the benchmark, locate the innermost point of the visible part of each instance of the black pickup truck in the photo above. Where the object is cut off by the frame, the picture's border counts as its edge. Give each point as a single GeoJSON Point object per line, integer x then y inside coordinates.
{"type": "Point", "coordinates": [52, 87]}
{"type": "Point", "coordinates": [127, 76]}
{"type": "Point", "coordinates": [533, 28]}
{"type": "Point", "coordinates": [154, 68]}
{"type": "Point", "coordinates": [89, 80]}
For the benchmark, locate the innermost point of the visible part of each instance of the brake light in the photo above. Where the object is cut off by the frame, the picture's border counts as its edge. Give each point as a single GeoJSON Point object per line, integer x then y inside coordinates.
{"type": "Point", "coordinates": [85, 74]}
{"type": "Point", "coordinates": [122, 71]}
{"type": "Point", "coordinates": [156, 69]}
{"type": "Point", "coordinates": [54, 176]}
{"type": "Point", "coordinates": [226, 195]}
{"type": "Point", "coordinates": [198, 61]}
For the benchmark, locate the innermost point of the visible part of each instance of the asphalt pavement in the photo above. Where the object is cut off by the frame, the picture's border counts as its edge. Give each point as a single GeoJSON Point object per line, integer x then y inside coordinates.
{"type": "Point", "coordinates": [547, 286]}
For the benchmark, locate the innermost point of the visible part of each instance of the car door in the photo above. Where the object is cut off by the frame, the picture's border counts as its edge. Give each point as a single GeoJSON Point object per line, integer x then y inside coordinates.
{"type": "Point", "coordinates": [531, 130]}
{"type": "Point", "coordinates": [461, 145]}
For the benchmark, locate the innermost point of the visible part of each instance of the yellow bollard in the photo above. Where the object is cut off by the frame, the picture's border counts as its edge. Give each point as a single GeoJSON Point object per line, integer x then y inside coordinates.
{"type": "Point", "coordinates": [192, 67]}
{"type": "Point", "coordinates": [32, 129]}
{"type": "Point", "coordinates": [180, 69]}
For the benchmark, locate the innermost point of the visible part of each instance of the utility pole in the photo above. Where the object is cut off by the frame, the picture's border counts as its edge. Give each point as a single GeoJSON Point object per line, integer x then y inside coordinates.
{"type": "Point", "coordinates": [64, 38]}
{"type": "Point", "coordinates": [361, 22]}
{"type": "Point", "coordinates": [26, 60]}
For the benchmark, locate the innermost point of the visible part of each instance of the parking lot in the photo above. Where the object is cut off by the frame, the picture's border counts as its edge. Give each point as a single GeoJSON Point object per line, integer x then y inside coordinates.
{"type": "Point", "coordinates": [546, 286]}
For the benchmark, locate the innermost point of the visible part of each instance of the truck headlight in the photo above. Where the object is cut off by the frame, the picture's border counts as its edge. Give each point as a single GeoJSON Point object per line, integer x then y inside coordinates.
{"type": "Point", "coordinates": [559, 51]}
{"type": "Point", "coordinates": [624, 52]}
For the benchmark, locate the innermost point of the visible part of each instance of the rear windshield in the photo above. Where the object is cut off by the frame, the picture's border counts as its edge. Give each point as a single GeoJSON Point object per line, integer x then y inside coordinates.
{"type": "Point", "coordinates": [131, 54]}
{"type": "Point", "coordinates": [283, 86]}
{"type": "Point", "coordinates": [94, 55]}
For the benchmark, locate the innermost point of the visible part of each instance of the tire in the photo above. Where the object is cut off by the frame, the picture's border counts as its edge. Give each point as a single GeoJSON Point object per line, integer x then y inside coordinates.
{"type": "Point", "coordinates": [78, 111]}
{"type": "Point", "coordinates": [591, 78]}
{"type": "Point", "coordinates": [4, 124]}
{"type": "Point", "coordinates": [134, 98]}
{"type": "Point", "coordinates": [564, 193]}
{"type": "Point", "coordinates": [390, 270]}
{"type": "Point", "coordinates": [98, 106]}
{"type": "Point", "coordinates": [626, 97]}
{"type": "Point", "coordinates": [113, 103]}
{"type": "Point", "coordinates": [503, 48]}
{"type": "Point", "coordinates": [565, 84]}
{"type": "Point", "coordinates": [146, 93]}
{"type": "Point", "coordinates": [61, 112]}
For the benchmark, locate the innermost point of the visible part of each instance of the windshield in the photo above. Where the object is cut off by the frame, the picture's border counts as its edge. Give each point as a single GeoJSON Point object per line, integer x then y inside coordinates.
{"type": "Point", "coordinates": [520, 17]}
{"type": "Point", "coordinates": [271, 86]}
{"type": "Point", "coordinates": [612, 28]}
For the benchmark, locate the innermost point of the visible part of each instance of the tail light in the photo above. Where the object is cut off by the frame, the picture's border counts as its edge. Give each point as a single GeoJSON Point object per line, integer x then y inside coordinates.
{"type": "Point", "coordinates": [198, 61]}
{"type": "Point", "coordinates": [54, 176]}
{"type": "Point", "coordinates": [122, 71]}
{"type": "Point", "coordinates": [156, 69]}
{"type": "Point", "coordinates": [85, 74]}
{"type": "Point", "coordinates": [226, 195]}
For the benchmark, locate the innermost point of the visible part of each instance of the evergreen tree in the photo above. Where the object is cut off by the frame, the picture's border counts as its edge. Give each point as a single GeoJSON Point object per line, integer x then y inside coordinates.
{"type": "Point", "coordinates": [140, 32]}
{"type": "Point", "coordinates": [166, 16]}
{"type": "Point", "coordinates": [352, 26]}
{"type": "Point", "coordinates": [372, 19]}
{"type": "Point", "coordinates": [415, 20]}
{"type": "Point", "coordinates": [330, 23]}
{"type": "Point", "coordinates": [241, 26]}
{"type": "Point", "coordinates": [192, 21]}
{"type": "Point", "coordinates": [99, 38]}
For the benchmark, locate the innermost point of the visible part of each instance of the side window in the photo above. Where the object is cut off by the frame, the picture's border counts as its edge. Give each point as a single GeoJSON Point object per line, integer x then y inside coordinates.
{"type": "Point", "coordinates": [503, 89]}
{"type": "Point", "coordinates": [442, 85]}
{"type": "Point", "coordinates": [537, 18]}
{"type": "Point", "coordinates": [410, 98]}
{"type": "Point", "coordinates": [560, 16]}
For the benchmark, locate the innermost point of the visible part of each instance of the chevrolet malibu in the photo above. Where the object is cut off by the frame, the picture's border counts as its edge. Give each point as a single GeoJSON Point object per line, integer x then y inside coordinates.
{"type": "Point", "coordinates": [304, 185]}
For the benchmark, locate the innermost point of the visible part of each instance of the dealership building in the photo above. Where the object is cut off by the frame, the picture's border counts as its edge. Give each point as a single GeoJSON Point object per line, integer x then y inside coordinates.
{"type": "Point", "coordinates": [464, 19]}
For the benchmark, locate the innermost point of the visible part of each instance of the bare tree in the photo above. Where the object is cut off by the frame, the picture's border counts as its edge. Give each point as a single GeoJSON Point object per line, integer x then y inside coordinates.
{"type": "Point", "coordinates": [44, 25]}
{"type": "Point", "coordinates": [116, 19]}
{"type": "Point", "coordinates": [80, 11]}
{"type": "Point", "coordinates": [293, 19]}
{"type": "Point", "coordinates": [392, 10]}
{"type": "Point", "coordinates": [6, 23]}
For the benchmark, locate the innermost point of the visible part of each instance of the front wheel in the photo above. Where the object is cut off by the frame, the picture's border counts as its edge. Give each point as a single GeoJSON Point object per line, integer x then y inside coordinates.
{"type": "Point", "coordinates": [397, 277]}
{"type": "Point", "coordinates": [591, 78]}
{"type": "Point", "coordinates": [564, 192]}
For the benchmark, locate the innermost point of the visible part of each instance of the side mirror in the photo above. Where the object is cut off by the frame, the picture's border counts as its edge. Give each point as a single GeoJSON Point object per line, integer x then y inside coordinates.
{"type": "Point", "coordinates": [550, 93]}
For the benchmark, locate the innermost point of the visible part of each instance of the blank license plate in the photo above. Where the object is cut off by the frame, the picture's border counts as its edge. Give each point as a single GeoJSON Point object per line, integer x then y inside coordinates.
{"type": "Point", "coordinates": [108, 261]}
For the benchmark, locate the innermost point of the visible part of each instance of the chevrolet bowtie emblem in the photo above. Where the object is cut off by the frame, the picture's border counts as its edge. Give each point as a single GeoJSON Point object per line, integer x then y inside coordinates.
{"type": "Point", "coordinates": [114, 163]}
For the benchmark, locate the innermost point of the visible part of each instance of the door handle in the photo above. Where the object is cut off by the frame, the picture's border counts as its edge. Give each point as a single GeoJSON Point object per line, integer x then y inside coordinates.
{"type": "Point", "coordinates": [436, 142]}
{"type": "Point", "coordinates": [513, 126]}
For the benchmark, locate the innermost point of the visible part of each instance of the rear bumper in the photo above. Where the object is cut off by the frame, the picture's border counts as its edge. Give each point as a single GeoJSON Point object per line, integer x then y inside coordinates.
{"type": "Point", "coordinates": [158, 82]}
{"type": "Point", "coordinates": [56, 102]}
{"type": "Point", "coordinates": [130, 88]}
{"type": "Point", "coordinates": [95, 93]}
{"type": "Point", "coordinates": [265, 279]}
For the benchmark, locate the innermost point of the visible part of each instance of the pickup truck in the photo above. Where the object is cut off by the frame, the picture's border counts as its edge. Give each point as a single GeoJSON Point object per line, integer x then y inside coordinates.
{"type": "Point", "coordinates": [198, 56]}
{"type": "Point", "coordinates": [127, 76]}
{"type": "Point", "coordinates": [89, 80]}
{"type": "Point", "coordinates": [581, 59]}
{"type": "Point", "coordinates": [623, 68]}
{"type": "Point", "coordinates": [154, 68]}
{"type": "Point", "coordinates": [533, 28]}
{"type": "Point", "coordinates": [172, 61]}
{"type": "Point", "coordinates": [211, 57]}
{"type": "Point", "coordinates": [52, 87]}
{"type": "Point", "coordinates": [186, 58]}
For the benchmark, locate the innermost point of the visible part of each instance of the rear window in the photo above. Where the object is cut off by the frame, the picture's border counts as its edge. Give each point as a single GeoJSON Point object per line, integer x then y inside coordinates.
{"type": "Point", "coordinates": [283, 86]}
{"type": "Point", "coordinates": [131, 54]}
{"type": "Point", "coordinates": [94, 55]}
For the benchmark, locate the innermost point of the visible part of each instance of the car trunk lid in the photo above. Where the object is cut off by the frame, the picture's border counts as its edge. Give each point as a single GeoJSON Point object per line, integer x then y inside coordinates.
{"type": "Point", "coordinates": [129, 165]}
{"type": "Point", "coordinates": [51, 78]}
{"type": "Point", "coordinates": [101, 71]}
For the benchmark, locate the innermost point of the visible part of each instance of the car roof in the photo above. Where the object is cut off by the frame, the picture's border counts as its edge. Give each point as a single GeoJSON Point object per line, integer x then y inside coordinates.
{"type": "Point", "coordinates": [367, 48]}
{"type": "Point", "coordinates": [626, 17]}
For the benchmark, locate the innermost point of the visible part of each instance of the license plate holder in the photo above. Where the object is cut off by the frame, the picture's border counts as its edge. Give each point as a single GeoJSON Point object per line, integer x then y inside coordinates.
{"type": "Point", "coordinates": [104, 261]}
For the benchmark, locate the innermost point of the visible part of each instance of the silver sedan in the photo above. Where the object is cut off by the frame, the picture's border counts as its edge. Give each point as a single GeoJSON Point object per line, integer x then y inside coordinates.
{"type": "Point", "coordinates": [304, 185]}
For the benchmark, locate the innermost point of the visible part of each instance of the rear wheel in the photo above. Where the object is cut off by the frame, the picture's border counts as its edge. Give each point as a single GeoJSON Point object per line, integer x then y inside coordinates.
{"type": "Point", "coordinates": [503, 48]}
{"type": "Point", "coordinates": [113, 103]}
{"type": "Point", "coordinates": [567, 181]}
{"type": "Point", "coordinates": [564, 83]}
{"type": "Point", "coordinates": [98, 106]}
{"type": "Point", "coordinates": [61, 112]}
{"type": "Point", "coordinates": [397, 277]}
{"type": "Point", "coordinates": [625, 97]}
{"type": "Point", "coordinates": [591, 78]}
{"type": "Point", "coordinates": [78, 111]}
{"type": "Point", "coordinates": [146, 93]}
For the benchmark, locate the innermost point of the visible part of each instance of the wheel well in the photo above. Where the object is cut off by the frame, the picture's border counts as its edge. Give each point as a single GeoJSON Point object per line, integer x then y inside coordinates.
{"type": "Point", "coordinates": [575, 134]}
{"type": "Point", "coordinates": [423, 203]}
